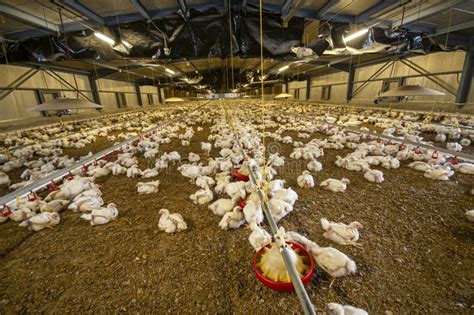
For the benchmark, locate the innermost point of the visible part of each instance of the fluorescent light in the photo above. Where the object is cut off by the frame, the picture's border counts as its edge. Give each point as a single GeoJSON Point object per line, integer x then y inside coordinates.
{"type": "Point", "coordinates": [283, 68]}
{"type": "Point", "coordinates": [169, 70]}
{"type": "Point", "coordinates": [355, 35]}
{"type": "Point", "coordinates": [127, 44]}
{"type": "Point", "coordinates": [104, 38]}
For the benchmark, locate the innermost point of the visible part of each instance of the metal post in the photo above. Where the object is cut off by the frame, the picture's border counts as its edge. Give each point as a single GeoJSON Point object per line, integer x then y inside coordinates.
{"type": "Point", "coordinates": [94, 89]}
{"type": "Point", "coordinates": [139, 95]}
{"type": "Point", "coordinates": [308, 88]}
{"type": "Point", "coordinates": [350, 83]}
{"type": "Point", "coordinates": [160, 99]}
{"type": "Point", "coordinates": [466, 77]}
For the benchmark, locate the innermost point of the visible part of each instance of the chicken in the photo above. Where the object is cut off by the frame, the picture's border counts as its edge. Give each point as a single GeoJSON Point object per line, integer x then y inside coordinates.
{"type": "Point", "coordinates": [454, 146]}
{"type": "Point", "coordinates": [102, 215]}
{"type": "Point", "coordinates": [206, 147]}
{"type": "Point", "coordinates": [341, 233]}
{"type": "Point", "coordinates": [193, 157]}
{"type": "Point", "coordinates": [305, 180]}
{"type": "Point", "coordinates": [420, 166]}
{"type": "Point", "coordinates": [134, 171]}
{"type": "Point", "coordinates": [374, 176]}
{"type": "Point", "coordinates": [42, 220]}
{"type": "Point", "coordinates": [150, 172]}
{"type": "Point", "coordinates": [335, 185]}
{"type": "Point", "coordinates": [232, 220]}
{"type": "Point", "coordinates": [338, 309]}
{"type": "Point", "coordinates": [56, 205]}
{"type": "Point", "coordinates": [314, 166]}
{"type": "Point", "coordinates": [465, 168]}
{"type": "Point", "coordinates": [221, 206]}
{"type": "Point", "coordinates": [279, 208]}
{"type": "Point", "coordinates": [287, 195]}
{"type": "Point", "coordinates": [148, 187]}
{"type": "Point", "coordinates": [171, 223]}
{"type": "Point", "coordinates": [259, 237]}
{"type": "Point", "coordinates": [21, 214]}
{"type": "Point", "coordinates": [439, 173]}
{"type": "Point", "coordinates": [470, 215]}
{"type": "Point", "coordinates": [253, 213]}
{"type": "Point", "coordinates": [71, 188]}
{"type": "Point", "coordinates": [333, 262]}
{"type": "Point", "coordinates": [202, 196]}
{"type": "Point", "coordinates": [4, 179]}
{"type": "Point", "coordinates": [86, 203]}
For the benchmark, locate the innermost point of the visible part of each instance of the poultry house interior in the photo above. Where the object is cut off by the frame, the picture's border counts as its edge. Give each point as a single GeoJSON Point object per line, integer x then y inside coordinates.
{"type": "Point", "coordinates": [310, 157]}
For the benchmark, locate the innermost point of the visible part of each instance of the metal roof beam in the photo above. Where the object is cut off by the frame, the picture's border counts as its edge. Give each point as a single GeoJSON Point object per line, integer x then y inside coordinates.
{"type": "Point", "coordinates": [378, 8]}
{"type": "Point", "coordinates": [29, 19]}
{"type": "Point", "coordinates": [83, 10]}
{"type": "Point", "coordinates": [455, 28]}
{"type": "Point", "coordinates": [141, 9]}
{"type": "Point", "coordinates": [328, 6]}
{"type": "Point", "coordinates": [426, 13]}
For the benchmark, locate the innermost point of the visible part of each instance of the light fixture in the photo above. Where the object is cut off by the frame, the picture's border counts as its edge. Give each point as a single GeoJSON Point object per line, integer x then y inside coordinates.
{"type": "Point", "coordinates": [359, 33]}
{"type": "Point", "coordinates": [169, 70]}
{"type": "Point", "coordinates": [283, 68]}
{"type": "Point", "coordinates": [104, 38]}
{"type": "Point", "coordinates": [127, 44]}
{"type": "Point", "coordinates": [411, 90]}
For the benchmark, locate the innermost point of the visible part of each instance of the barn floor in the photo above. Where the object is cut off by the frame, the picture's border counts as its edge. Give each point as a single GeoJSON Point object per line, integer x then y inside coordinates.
{"type": "Point", "coordinates": [416, 257]}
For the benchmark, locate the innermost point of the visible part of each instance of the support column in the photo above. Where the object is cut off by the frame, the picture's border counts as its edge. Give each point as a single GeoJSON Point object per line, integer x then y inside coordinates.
{"type": "Point", "coordinates": [308, 88]}
{"type": "Point", "coordinates": [94, 89]}
{"type": "Point", "coordinates": [160, 99]}
{"type": "Point", "coordinates": [350, 83]}
{"type": "Point", "coordinates": [466, 77]}
{"type": "Point", "coordinates": [139, 95]}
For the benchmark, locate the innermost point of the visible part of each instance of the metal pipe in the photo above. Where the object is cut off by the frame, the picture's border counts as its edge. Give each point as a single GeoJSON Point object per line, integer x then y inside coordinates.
{"type": "Point", "coordinates": [294, 276]}
{"type": "Point", "coordinates": [59, 174]}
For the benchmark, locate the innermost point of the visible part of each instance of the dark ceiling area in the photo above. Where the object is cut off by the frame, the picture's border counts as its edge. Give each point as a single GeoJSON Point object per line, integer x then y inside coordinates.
{"type": "Point", "coordinates": [194, 42]}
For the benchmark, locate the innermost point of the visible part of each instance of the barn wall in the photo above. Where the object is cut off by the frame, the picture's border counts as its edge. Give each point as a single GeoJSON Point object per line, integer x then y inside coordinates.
{"type": "Point", "coordinates": [15, 105]}
{"type": "Point", "coordinates": [436, 63]}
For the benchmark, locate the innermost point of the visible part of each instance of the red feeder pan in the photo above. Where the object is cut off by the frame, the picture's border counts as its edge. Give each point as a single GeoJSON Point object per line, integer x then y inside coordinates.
{"type": "Point", "coordinates": [235, 174]}
{"type": "Point", "coordinates": [284, 286]}
{"type": "Point", "coordinates": [242, 203]}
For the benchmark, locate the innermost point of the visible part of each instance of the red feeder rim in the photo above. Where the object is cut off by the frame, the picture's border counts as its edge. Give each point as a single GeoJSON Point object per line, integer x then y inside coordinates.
{"type": "Point", "coordinates": [284, 286]}
{"type": "Point", "coordinates": [401, 147]}
{"type": "Point", "coordinates": [454, 160]}
{"type": "Point", "coordinates": [32, 196]}
{"type": "Point", "coordinates": [235, 173]}
{"type": "Point", "coordinates": [418, 150]}
{"type": "Point", "coordinates": [53, 186]}
{"type": "Point", "coordinates": [70, 176]}
{"type": "Point", "coordinates": [242, 203]}
{"type": "Point", "coordinates": [115, 153]}
{"type": "Point", "coordinates": [434, 156]}
{"type": "Point", "coordinates": [95, 163]}
{"type": "Point", "coordinates": [6, 211]}
{"type": "Point", "coordinates": [106, 157]}
{"type": "Point", "coordinates": [379, 140]}
{"type": "Point", "coordinates": [369, 138]}
{"type": "Point", "coordinates": [85, 168]}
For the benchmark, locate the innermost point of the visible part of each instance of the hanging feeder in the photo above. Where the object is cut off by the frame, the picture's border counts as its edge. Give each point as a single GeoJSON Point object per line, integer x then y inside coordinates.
{"type": "Point", "coordinates": [283, 96]}
{"type": "Point", "coordinates": [6, 211]}
{"type": "Point", "coordinates": [284, 286]}
{"type": "Point", "coordinates": [53, 186]}
{"type": "Point", "coordinates": [411, 90]}
{"type": "Point", "coordinates": [70, 176]}
{"type": "Point", "coordinates": [239, 176]}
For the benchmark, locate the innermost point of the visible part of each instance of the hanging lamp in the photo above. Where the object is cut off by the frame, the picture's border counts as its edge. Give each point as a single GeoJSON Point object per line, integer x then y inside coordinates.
{"type": "Point", "coordinates": [283, 95]}
{"type": "Point", "coordinates": [65, 103]}
{"type": "Point", "coordinates": [411, 90]}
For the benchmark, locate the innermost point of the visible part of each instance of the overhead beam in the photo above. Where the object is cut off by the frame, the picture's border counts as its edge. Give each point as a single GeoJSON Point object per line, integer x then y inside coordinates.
{"type": "Point", "coordinates": [83, 10]}
{"type": "Point", "coordinates": [328, 6]}
{"type": "Point", "coordinates": [426, 13]}
{"type": "Point", "coordinates": [141, 9]}
{"type": "Point", "coordinates": [183, 7]}
{"type": "Point", "coordinates": [29, 19]}
{"type": "Point", "coordinates": [377, 9]}
{"type": "Point", "coordinates": [456, 27]}
{"type": "Point", "coordinates": [94, 89]}
{"type": "Point", "coordinates": [288, 10]}
{"type": "Point", "coordinates": [138, 93]}
{"type": "Point", "coordinates": [350, 83]}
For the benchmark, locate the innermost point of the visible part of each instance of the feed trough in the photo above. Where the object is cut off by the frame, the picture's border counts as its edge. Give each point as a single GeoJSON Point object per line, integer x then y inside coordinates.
{"type": "Point", "coordinates": [284, 286]}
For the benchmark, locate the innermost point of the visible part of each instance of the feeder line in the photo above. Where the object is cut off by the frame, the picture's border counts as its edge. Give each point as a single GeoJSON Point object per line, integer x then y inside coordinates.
{"type": "Point", "coordinates": [294, 276]}
{"type": "Point", "coordinates": [60, 174]}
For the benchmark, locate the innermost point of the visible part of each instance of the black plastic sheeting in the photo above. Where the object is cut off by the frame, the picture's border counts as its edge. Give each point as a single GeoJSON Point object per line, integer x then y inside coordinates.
{"type": "Point", "coordinates": [203, 35]}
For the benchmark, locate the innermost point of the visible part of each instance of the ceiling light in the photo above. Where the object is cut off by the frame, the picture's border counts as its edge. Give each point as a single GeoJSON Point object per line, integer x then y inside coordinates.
{"type": "Point", "coordinates": [127, 44]}
{"type": "Point", "coordinates": [104, 38]}
{"type": "Point", "coordinates": [355, 35]}
{"type": "Point", "coordinates": [169, 70]}
{"type": "Point", "coordinates": [283, 68]}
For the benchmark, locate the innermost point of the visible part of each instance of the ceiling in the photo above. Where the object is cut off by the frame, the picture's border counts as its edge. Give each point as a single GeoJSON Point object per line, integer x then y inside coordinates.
{"type": "Point", "coordinates": [23, 19]}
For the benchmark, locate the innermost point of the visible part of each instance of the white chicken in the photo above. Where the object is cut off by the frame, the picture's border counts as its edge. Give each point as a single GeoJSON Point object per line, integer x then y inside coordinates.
{"type": "Point", "coordinates": [439, 173]}
{"type": "Point", "coordinates": [42, 220]}
{"type": "Point", "coordinates": [102, 215]}
{"type": "Point", "coordinates": [171, 223]}
{"type": "Point", "coordinates": [202, 196]}
{"type": "Point", "coordinates": [148, 187]}
{"type": "Point", "coordinates": [232, 220]}
{"type": "Point", "coordinates": [470, 215]}
{"type": "Point", "coordinates": [150, 172]}
{"type": "Point", "coordinates": [374, 176]}
{"type": "Point", "coordinates": [332, 261]}
{"type": "Point", "coordinates": [341, 233]}
{"type": "Point", "coordinates": [206, 147]}
{"type": "Point", "coordinates": [4, 179]}
{"type": "Point", "coordinates": [279, 208]}
{"type": "Point", "coordinates": [259, 237]}
{"type": "Point", "coordinates": [134, 171]}
{"type": "Point", "coordinates": [338, 309]}
{"type": "Point", "coordinates": [314, 166]}
{"type": "Point", "coordinates": [56, 205]}
{"type": "Point", "coordinates": [335, 185]}
{"type": "Point", "coordinates": [193, 157]}
{"type": "Point", "coordinates": [305, 180]}
{"type": "Point", "coordinates": [454, 146]}
{"type": "Point", "coordinates": [253, 213]}
{"type": "Point", "coordinates": [221, 206]}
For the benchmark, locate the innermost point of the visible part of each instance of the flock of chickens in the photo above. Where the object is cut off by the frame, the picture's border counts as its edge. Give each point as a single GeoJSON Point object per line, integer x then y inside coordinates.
{"type": "Point", "coordinates": [237, 136]}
